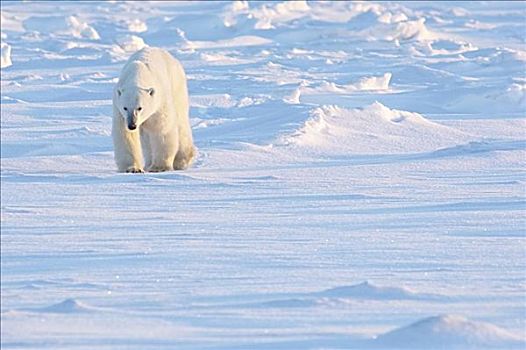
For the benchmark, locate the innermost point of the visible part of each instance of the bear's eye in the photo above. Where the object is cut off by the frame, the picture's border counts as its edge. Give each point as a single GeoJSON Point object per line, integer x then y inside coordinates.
{"type": "Point", "coordinates": [125, 108]}
{"type": "Point", "coordinates": [139, 109]}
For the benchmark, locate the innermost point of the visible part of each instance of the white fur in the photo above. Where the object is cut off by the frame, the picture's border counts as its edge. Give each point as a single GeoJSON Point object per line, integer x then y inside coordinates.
{"type": "Point", "coordinates": [152, 86]}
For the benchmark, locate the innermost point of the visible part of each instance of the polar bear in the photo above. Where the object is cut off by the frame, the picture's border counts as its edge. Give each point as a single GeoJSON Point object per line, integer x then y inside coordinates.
{"type": "Point", "coordinates": [150, 114]}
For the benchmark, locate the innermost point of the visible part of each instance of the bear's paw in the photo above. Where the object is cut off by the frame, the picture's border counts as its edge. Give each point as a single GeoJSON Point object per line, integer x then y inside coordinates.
{"type": "Point", "coordinates": [134, 170]}
{"type": "Point", "coordinates": [159, 168]}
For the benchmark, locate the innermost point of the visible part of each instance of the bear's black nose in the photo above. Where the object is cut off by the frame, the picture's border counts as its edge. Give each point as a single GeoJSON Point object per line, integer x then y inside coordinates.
{"type": "Point", "coordinates": [132, 126]}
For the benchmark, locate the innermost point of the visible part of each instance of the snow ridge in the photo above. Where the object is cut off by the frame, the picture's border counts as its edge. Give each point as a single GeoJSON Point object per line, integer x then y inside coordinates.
{"type": "Point", "coordinates": [366, 290]}
{"type": "Point", "coordinates": [68, 306]}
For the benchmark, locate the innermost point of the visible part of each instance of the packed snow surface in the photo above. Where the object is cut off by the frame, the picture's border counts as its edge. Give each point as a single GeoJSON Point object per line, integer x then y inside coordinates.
{"type": "Point", "coordinates": [360, 180]}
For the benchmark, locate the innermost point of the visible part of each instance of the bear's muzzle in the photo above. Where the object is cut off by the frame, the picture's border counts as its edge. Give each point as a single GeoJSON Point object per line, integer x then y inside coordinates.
{"type": "Point", "coordinates": [131, 121]}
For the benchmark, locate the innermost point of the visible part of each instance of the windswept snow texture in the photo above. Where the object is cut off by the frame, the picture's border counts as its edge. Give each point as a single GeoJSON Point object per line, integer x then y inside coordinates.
{"type": "Point", "coordinates": [360, 182]}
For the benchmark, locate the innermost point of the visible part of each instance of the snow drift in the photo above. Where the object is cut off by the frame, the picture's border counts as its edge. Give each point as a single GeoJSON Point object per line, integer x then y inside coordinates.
{"type": "Point", "coordinates": [374, 83]}
{"type": "Point", "coordinates": [375, 129]}
{"type": "Point", "coordinates": [449, 332]}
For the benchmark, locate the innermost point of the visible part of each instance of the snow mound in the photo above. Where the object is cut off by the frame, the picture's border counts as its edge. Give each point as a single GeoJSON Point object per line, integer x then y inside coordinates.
{"type": "Point", "coordinates": [375, 129]}
{"type": "Point", "coordinates": [414, 29]}
{"type": "Point", "coordinates": [129, 44]}
{"type": "Point", "coordinates": [5, 59]}
{"type": "Point", "coordinates": [136, 26]}
{"type": "Point", "coordinates": [232, 10]}
{"type": "Point", "coordinates": [70, 26]}
{"type": "Point", "coordinates": [68, 306]}
{"type": "Point", "coordinates": [375, 83]}
{"type": "Point", "coordinates": [10, 22]}
{"type": "Point", "coordinates": [294, 97]}
{"type": "Point", "coordinates": [279, 14]}
{"type": "Point", "coordinates": [448, 47]}
{"type": "Point", "coordinates": [449, 332]}
{"type": "Point", "coordinates": [268, 16]}
{"type": "Point", "coordinates": [511, 99]}
{"type": "Point", "coordinates": [366, 19]}
{"type": "Point", "coordinates": [348, 294]}
{"type": "Point", "coordinates": [366, 290]}
{"type": "Point", "coordinates": [80, 29]}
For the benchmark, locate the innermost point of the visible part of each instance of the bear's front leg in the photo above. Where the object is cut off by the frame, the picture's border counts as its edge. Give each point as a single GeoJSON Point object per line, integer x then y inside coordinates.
{"type": "Point", "coordinates": [164, 148]}
{"type": "Point", "coordinates": [146, 149]}
{"type": "Point", "coordinates": [127, 145]}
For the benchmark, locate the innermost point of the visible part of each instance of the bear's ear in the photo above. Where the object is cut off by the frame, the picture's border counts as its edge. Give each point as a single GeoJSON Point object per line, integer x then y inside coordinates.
{"type": "Point", "coordinates": [151, 91]}
{"type": "Point", "coordinates": [119, 92]}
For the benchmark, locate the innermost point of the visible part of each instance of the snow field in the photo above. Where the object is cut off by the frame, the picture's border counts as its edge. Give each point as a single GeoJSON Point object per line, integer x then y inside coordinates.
{"type": "Point", "coordinates": [360, 179]}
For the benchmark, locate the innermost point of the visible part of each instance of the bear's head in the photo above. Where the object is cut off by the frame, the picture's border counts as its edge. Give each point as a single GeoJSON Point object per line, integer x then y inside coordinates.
{"type": "Point", "coordinates": [136, 104]}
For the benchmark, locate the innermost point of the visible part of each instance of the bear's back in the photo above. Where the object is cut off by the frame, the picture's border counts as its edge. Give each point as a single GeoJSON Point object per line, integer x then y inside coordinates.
{"type": "Point", "coordinates": [152, 63]}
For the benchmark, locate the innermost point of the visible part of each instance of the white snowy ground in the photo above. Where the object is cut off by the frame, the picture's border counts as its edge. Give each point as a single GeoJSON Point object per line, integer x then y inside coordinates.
{"type": "Point", "coordinates": [360, 180]}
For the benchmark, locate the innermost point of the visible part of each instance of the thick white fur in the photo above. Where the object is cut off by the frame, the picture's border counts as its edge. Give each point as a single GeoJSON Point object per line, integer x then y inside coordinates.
{"type": "Point", "coordinates": [152, 84]}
